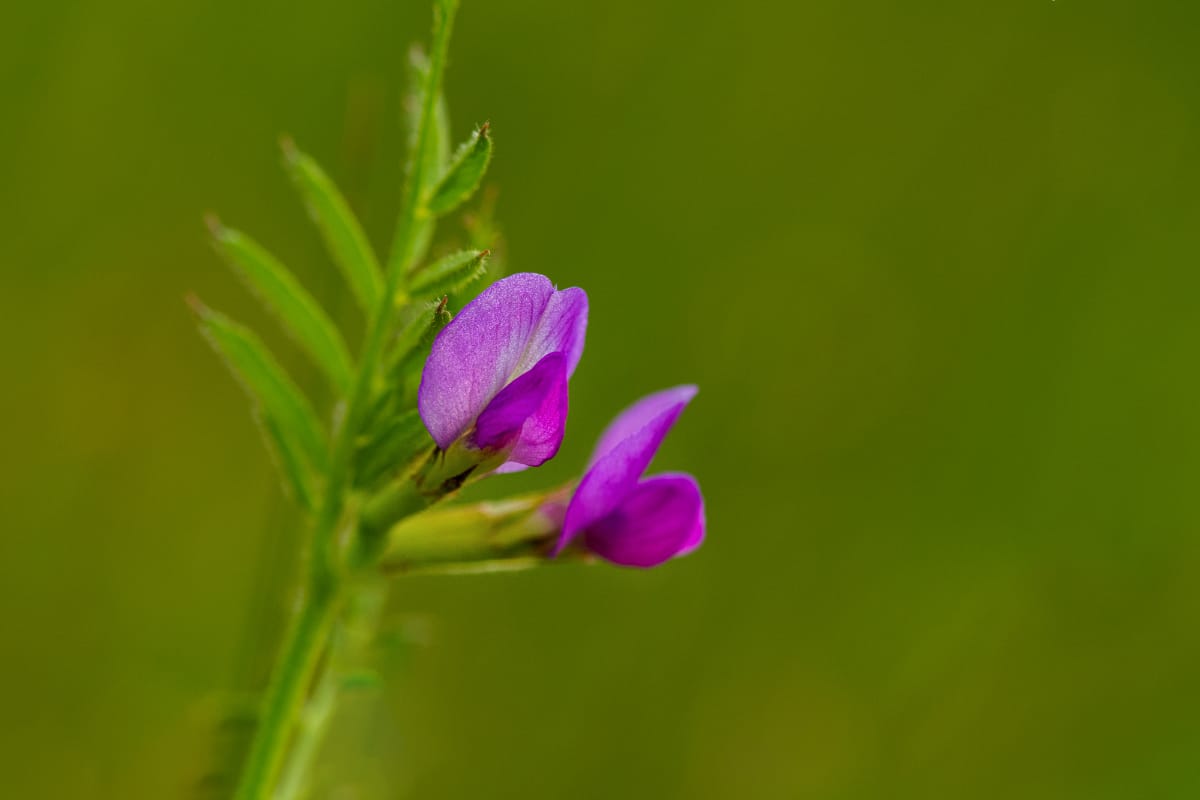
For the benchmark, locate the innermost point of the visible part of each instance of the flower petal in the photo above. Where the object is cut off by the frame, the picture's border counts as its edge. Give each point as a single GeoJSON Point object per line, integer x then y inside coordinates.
{"type": "Point", "coordinates": [640, 413]}
{"type": "Point", "coordinates": [696, 536]}
{"type": "Point", "coordinates": [561, 329]}
{"type": "Point", "coordinates": [529, 415]}
{"type": "Point", "coordinates": [662, 518]}
{"type": "Point", "coordinates": [475, 355]}
{"type": "Point", "coordinates": [624, 452]}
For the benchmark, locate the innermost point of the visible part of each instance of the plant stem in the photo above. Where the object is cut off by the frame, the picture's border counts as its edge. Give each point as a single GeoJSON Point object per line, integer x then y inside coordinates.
{"type": "Point", "coordinates": [308, 636]}
{"type": "Point", "coordinates": [310, 733]}
{"type": "Point", "coordinates": [397, 268]}
{"type": "Point", "coordinates": [380, 322]}
{"type": "Point", "coordinates": [298, 660]}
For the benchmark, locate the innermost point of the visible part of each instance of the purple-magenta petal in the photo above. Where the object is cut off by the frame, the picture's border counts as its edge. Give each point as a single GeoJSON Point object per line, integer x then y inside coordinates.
{"type": "Point", "coordinates": [630, 420]}
{"type": "Point", "coordinates": [695, 538]}
{"type": "Point", "coordinates": [656, 522]}
{"type": "Point", "coordinates": [625, 450]}
{"type": "Point", "coordinates": [561, 329]}
{"type": "Point", "coordinates": [474, 356]}
{"type": "Point", "coordinates": [498, 336]}
{"type": "Point", "coordinates": [529, 415]}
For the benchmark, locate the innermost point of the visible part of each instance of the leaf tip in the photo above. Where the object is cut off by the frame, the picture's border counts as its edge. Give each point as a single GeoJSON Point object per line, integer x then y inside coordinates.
{"type": "Point", "coordinates": [213, 223]}
{"type": "Point", "coordinates": [196, 305]}
{"type": "Point", "coordinates": [288, 145]}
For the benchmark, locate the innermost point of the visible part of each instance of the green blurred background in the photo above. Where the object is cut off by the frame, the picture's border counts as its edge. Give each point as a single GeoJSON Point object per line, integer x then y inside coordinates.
{"type": "Point", "coordinates": [934, 266]}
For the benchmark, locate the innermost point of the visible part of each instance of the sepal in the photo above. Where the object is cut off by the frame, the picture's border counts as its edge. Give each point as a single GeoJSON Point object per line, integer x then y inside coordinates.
{"type": "Point", "coordinates": [510, 533]}
{"type": "Point", "coordinates": [393, 449]}
{"type": "Point", "coordinates": [450, 274]}
{"type": "Point", "coordinates": [463, 175]}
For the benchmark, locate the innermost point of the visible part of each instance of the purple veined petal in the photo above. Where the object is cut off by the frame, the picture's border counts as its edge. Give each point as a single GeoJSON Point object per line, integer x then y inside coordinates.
{"type": "Point", "coordinates": [475, 355]}
{"type": "Point", "coordinates": [626, 449]}
{"type": "Point", "coordinates": [561, 329]}
{"type": "Point", "coordinates": [640, 413]}
{"type": "Point", "coordinates": [656, 522]}
{"type": "Point", "coordinates": [529, 415]}
{"type": "Point", "coordinates": [499, 336]}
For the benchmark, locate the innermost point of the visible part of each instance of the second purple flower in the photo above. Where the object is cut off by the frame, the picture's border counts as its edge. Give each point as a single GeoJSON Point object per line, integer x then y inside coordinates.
{"type": "Point", "coordinates": [624, 517]}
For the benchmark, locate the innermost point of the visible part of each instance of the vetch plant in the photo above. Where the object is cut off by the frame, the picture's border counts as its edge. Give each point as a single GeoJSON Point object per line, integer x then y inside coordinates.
{"type": "Point", "coordinates": [429, 403]}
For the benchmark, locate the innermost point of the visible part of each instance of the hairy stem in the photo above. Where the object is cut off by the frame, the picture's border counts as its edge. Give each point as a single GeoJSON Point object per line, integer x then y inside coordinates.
{"type": "Point", "coordinates": [443, 21]}
{"type": "Point", "coordinates": [308, 636]}
{"type": "Point", "coordinates": [310, 733]}
{"type": "Point", "coordinates": [380, 322]}
{"type": "Point", "coordinates": [294, 671]}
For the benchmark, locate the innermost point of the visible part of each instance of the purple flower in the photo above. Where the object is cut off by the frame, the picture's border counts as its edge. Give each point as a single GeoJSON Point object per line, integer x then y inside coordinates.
{"type": "Point", "coordinates": [623, 517]}
{"type": "Point", "coordinates": [497, 374]}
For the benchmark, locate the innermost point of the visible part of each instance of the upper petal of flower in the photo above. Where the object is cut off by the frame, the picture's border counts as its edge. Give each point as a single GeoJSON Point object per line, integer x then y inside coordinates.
{"type": "Point", "coordinates": [668, 401]}
{"type": "Point", "coordinates": [624, 452]}
{"type": "Point", "coordinates": [529, 415]}
{"type": "Point", "coordinates": [663, 517]}
{"type": "Point", "coordinates": [502, 333]}
{"type": "Point", "coordinates": [561, 329]}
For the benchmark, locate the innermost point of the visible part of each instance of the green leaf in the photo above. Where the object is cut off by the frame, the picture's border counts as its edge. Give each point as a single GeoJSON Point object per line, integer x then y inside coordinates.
{"type": "Point", "coordinates": [450, 274]}
{"type": "Point", "coordinates": [299, 314]}
{"type": "Point", "coordinates": [339, 228]}
{"type": "Point", "coordinates": [463, 175]}
{"type": "Point", "coordinates": [415, 339]}
{"type": "Point", "coordinates": [297, 477]}
{"type": "Point", "coordinates": [289, 424]}
{"type": "Point", "coordinates": [393, 449]}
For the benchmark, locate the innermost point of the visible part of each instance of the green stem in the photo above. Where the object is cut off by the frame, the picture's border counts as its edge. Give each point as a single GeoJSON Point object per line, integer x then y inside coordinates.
{"type": "Point", "coordinates": [294, 671]}
{"type": "Point", "coordinates": [354, 635]}
{"type": "Point", "coordinates": [406, 225]}
{"type": "Point", "coordinates": [380, 322]}
{"type": "Point", "coordinates": [308, 636]}
{"type": "Point", "coordinates": [310, 733]}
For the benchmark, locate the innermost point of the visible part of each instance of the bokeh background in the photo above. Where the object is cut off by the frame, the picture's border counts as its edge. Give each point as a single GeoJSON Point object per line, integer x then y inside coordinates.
{"type": "Point", "coordinates": [934, 266]}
